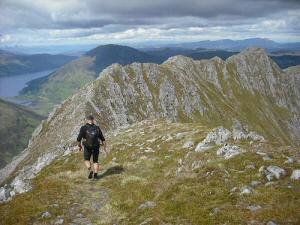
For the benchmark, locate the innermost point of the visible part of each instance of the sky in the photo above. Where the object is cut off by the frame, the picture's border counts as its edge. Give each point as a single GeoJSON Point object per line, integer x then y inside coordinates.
{"type": "Point", "coordinates": [69, 22]}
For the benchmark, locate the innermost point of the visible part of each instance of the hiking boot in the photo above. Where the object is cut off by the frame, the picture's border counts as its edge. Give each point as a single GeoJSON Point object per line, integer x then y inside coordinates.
{"type": "Point", "coordinates": [96, 176]}
{"type": "Point", "coordinates": [90, 175]}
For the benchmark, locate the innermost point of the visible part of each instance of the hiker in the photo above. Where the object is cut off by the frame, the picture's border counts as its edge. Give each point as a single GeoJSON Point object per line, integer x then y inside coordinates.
{"type": "Point", "coordinates": [91, 135]}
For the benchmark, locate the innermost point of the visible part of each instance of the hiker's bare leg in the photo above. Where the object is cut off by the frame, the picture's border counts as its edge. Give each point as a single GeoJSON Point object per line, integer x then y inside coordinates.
{"type": "Point", "coordinates": [96, 167]}
{"type": "Point", "coordinates": [87, 163]}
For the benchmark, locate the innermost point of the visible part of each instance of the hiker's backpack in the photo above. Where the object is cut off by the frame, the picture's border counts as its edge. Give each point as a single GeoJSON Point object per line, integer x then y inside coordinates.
{"type": "Point", "coordinates": [92, 134]}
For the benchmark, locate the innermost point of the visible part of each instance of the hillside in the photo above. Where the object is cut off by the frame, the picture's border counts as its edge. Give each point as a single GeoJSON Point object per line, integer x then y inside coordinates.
{"type": "Point", "coordinates": [14, 64]}
{"type": "Point", "coordinates": [172, 183]}
{"type": "Point", "coordinates": [173, 129]}
{"type": "Point", "coordinates": [17, 124]}
{"type": "Point", "coordinates": [70, 78]}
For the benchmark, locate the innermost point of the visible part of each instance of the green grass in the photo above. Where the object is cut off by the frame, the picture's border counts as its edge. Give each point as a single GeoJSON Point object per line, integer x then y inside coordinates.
{"type": "Point", "coordinates": [189, 197]}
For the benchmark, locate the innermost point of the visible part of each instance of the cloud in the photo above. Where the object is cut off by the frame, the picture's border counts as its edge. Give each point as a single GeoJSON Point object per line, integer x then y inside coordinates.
{"type": "Point", "coordinates": [98, 13]}
{"type": "Point", "coordinates": [74, 20]}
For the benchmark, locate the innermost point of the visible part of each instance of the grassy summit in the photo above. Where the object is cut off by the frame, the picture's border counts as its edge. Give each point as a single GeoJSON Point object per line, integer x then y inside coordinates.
{"type": "Point", "coordinates": [150, 178]}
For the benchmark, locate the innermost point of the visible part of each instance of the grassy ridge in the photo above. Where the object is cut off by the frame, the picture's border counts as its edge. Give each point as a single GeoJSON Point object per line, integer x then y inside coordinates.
{"type": "Point", "coordinates": [143, 166]}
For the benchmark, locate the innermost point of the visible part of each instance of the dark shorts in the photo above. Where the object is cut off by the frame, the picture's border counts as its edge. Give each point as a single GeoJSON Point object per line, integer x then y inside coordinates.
{"type": "Point", "coordinates": [88, 152]}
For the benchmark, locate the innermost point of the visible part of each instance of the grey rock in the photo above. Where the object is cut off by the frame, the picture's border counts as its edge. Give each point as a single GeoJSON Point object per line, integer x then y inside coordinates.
{"type": "Point", "coordinates": [146, 221]}
{"type": "Point", "coordinates": [290, 160]}
{"type": "Point", "coordinates": [254, 208]}
{"type": "Point", "coordinates": [241, 133]}
{"type": "Point", "coordinates": [215, 211]}
{"type": "Point", "coordinates": [267, 158]}
{"type": "Point", "coordinates": [217, 136]}
{"type": "Point", "coordinates": [4, 194]}
{"type": "Point", "coordinates": [272, 222]}
{"type": "Point", "coordinates": [188, 144]}
{"type": "Point", "coordinates": [234, 189]}
{"type": "Point", "coordinates": [261, 153]}
{"type": "Point", "coordinates": [246, 190]}
{"type": "Point", "coordinates": [46, 214]}
{"type": "Point", "coordinates": [295, 175]}
{"type": "Point", "coordinates": [197, 165]}
{"type": "Point", "coordinates": [228, 151]}
{"type": "Point", "coordinates": [250, 166]}
{"type": "Point", "coordinates": [59, 221]}
{"type": "Point", "coordinates": [238, 131]}
{"type": "Point", "coordinates": [21, 182]}
{"type": "Point", "coordinates": [274, 171]}
{"type": "Point", "coordinates": [261, 169]}
{"type": "Point", "coordinates": [148, 204]}
{"type": "Point", "coordinates": [255, 136]}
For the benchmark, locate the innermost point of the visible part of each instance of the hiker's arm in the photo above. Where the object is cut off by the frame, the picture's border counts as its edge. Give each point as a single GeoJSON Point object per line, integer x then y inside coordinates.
{"type": "Point", "coordinates": [79, 138]}
{"type": "Point", "coordinates": [104, 146]}
{"type": "Point", "coordinates": [101, 137]}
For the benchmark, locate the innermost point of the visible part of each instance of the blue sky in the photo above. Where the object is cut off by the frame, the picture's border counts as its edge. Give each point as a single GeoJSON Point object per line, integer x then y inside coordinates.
{"type": "Point", "coordinates": [63, 22]}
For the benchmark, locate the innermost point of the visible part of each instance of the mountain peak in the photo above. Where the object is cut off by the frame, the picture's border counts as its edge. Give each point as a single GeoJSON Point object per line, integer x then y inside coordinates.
{"type": "Point", "coordinates": [255, 50]}
{"type": "Point", "coordinates": [253, 54]}
{"type": "Point", "coordinates": [178, 59]}
{"type": "Point", "coordinates": [110, 47]}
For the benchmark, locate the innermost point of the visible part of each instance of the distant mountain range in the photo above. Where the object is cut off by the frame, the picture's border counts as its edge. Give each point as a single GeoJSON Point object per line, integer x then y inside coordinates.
{"type": "Point", "coordinates": [56, 87]}
{"type": "Point", "coordinates": [14, 64]}
{"type": "Point", "coordinates": [239, 45]}
{"type": "Point", "coordinates": [222, 44]}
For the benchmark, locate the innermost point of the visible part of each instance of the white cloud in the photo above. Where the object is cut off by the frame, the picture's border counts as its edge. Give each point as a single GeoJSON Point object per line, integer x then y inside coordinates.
{"type": "Point", "coordinates": [92, 21]}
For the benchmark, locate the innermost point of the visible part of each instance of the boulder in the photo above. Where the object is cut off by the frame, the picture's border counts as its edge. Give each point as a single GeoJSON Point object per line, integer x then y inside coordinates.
{"type": "Point", "coordinates": [148, 204]}
{"type": "Point", "coordinates": [295, 175]}
{"type": "Point", "coordinates": [274, 171]}
{"type": "Point", "coordinates": [290, 160]}
{"type": "Point", "coordinates": [217, 136]}
{"type": "Point", "coordinates": [255, 136]}
{"type": "Point", "coordinates": [254, 208]}
{"type": "Point", "coordinates": [188, 144]}
{"type": "Point", "coordinates": [228, 151]}
{"type": "Point", "coordinates": [246, 190]}
{"type": "Point", "coordinates": [4, 194]}
{"type": "Point", "coordinates": [238, 132]}
{"type": "Point", "coordinates": [46, 214]}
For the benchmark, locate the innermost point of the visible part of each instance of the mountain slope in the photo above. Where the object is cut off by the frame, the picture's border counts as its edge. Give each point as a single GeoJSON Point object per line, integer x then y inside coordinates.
{"type": "Point", "coordinates": [68, 79]}
{"type": "Point", "coordinates": [152, 176]}
{"type": "Point", "coordinates": [253, 105]}
{"type": "Point", "coordinates": [13, 64]}
{"type": "Point", "coordinates": [17, 124]}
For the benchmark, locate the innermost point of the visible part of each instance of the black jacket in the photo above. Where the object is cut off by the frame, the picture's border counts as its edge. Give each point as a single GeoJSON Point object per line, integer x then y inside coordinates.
{"type": "Point", "coordinates": [82, 132]}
